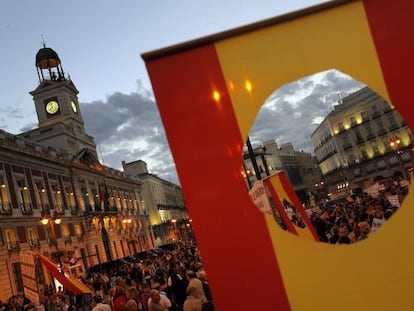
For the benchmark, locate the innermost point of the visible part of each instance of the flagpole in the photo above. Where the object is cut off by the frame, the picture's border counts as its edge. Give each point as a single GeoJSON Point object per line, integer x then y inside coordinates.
{"type": "Point", "coordinates": [253, 158]}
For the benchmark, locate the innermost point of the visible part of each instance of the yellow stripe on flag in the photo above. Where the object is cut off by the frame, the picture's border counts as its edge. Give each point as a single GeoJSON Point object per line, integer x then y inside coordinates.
{"type": "Point", "coordinates": [280, 191]}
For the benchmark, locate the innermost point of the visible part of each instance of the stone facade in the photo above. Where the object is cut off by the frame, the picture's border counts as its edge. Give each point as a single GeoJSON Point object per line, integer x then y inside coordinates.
{"type": "Point", "coordinates": [353, 144]}
{"type": "Point", "coordinates": [95, 213]}
{"type": "Point", "coordinates": [164, 201]}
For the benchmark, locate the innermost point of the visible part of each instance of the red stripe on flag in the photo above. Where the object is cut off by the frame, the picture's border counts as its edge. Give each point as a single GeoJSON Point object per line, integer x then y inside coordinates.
{"type": "Point", "coordinates": [206, 143]}
{"type": "Point", "coordinates": [392, 25]}
{"type": "Point", "coordinates": [296, 202]}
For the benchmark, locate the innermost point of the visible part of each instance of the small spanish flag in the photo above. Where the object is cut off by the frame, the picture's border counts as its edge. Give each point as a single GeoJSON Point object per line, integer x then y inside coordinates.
{"type": "Point", "coordinates": [289, 207]}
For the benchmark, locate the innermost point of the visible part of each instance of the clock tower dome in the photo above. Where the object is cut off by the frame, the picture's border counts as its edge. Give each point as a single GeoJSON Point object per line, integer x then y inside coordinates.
{"type": "Point", "coordinates": [60, 120]}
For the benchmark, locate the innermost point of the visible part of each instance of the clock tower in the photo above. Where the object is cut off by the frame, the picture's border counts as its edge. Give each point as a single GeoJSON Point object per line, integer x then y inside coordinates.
{"type": "Point", "coordinates": [60, 120]}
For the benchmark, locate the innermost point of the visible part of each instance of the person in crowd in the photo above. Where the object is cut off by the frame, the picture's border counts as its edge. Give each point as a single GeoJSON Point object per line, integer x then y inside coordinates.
{"type": "Point", "coordinates": [162, 299]}
{"type": "Point", "coordinates": [341, 236]}
{"type": "Point", "coordinates": [131, 305]}
{"type": "Point", "coordinates": [61, 304]}
{"type": "Point", "coordinates": [192, 303]}
{"type": "Point", "coordinates": [144, 295]}
{"type": "Point", "coordinates": [201, 274]}
{"type": "Point", "coordinates": [378, 219]}
{"type": "Point", "coordinates": [99, 305]}
{"type": "Point", "coordinates": [154, 302]}
{"type": "Point", "coordinates": [193, 281]}
{"type": "Point", "coordinates": [133, 294]}
{"type": "Point", "coordinates": [119, 299]}
{"type": "Point", "coordinates": [364, 229]}
{"type": "Point", "coordinates": [178, 283]}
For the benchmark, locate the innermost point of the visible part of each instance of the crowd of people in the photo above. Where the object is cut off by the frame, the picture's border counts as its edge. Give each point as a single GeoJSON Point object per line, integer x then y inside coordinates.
{"type": "Point", "coordinates": [167, 280]}
{"type": "Point", "coordinates": [174, 280]}
{"type": "Point", "coordinates": [357, 216]}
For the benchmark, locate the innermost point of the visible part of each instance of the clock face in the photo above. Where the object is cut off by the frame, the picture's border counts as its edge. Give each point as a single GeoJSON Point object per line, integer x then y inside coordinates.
{"type": "Point", "coordinates": [52, 107]}
{"type": "Point", "coordinates": [74, 107]}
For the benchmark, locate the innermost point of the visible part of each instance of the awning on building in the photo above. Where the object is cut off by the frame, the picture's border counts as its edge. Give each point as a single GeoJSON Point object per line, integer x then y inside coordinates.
{"type": "Point", "coordinates": [73, 285]}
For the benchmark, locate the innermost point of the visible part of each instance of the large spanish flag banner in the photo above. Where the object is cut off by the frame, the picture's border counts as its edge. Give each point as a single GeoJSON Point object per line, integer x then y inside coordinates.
{"type": "Point", "coordinates": [209, 91]}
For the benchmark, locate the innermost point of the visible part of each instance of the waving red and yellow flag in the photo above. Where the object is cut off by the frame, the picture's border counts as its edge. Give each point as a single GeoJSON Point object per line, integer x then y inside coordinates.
{"type": "Point", "coordinates": [209, 92]}
{"type": "Point", "coordinates": [289, 207]}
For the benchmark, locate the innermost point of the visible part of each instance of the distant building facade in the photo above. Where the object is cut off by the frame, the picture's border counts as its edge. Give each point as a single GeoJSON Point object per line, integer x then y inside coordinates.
{"type": "Point", "coordinates": [299, 166]}
{"type": "Point", "coordinates": [91, 213]}
{"type": "Point", "coordinates": [165, 203]}
{"type": "Point", "coordinates": [364, 138]}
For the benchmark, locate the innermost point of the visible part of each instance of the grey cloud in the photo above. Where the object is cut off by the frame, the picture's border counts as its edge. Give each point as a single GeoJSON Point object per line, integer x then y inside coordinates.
{"type": "Point", "coordinates": [128, 127]}
{"type": "Point", "coordinates": [287, 120]}
{"type": "Point", "coordinates": [134, 111]}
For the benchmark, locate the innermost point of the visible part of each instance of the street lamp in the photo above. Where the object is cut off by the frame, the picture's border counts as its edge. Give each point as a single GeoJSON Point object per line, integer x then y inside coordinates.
{"type": "Point", "coordinates": [321, 191]}
{"type": "Point", "coordinates": [52, 220]}
{"type": "Point", "coordinates": [395, 142]}
{"type": "Point", "coordinates": [246, 173]}
{"type": "Point", "coordinates": [46, 219]}
{"type": "Point", "coordinates": [174, 222]}
{"type": "Point", "coordinates": [126, 220]}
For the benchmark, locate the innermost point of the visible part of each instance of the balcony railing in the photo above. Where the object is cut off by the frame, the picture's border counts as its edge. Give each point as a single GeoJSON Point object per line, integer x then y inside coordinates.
{"type": "Point", "coordinates": [394, 126]}
{"type": "Point", "coordinates": [67, 239]}
{"type": "Point", "coordinates": [375, 115]}
{"type": "Point", "coordinates": [364, 119]}
{"type": "Point", "coordinates": [74, 211]}
{"type": "Point", "coordinates": [26, 208]}
{"type": "Point", "coordinates": [327, 156]}
{"type": "Point", "coordinates": [45, 209]}
{"type": "Point", "coordinates": [13, 246]}
{"type": "Point", "coordinates": [88, 208]}
{"type": "Point", "coordinates": [34, 242]}
{"type": "Point", "coordinates": [59, 209]}
{"type": "Point", "coordinates": [52, 242]}
{"type": "Point", "coordinates": [5, 208]}
{"type": "Point", "coordinates": [347, 146]}
{"type": "Point", "coordinates": [387, 109]}
{"type": "Point", "coordinates": [360, 140]}
{"type": "Point", "coordinates": [381, 132]}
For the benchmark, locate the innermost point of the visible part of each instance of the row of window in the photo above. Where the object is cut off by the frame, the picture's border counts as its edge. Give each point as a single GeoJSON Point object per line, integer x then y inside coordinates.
{"type": "Point", "coordinates": [38, 191]}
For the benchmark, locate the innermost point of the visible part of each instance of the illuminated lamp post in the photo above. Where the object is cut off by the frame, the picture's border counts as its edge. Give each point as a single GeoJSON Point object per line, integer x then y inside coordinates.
{"type": "Point", "coordinates": [246, 173]}
{"type": "Point", "coordinates": [45, 219]}
{"type": "Point", "coordinates": [395, 142]}
{"type": "Point", "coordinates": [52, 220]}
{"type": "Point", "coordinates": [176, 233]}
{"type": "Point", "coordinates": [319, 191]}
{"type": "Point", "coordinates": [127, 221]}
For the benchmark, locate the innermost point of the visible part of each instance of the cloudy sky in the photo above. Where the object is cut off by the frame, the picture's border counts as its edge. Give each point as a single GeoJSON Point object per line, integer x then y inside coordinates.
{"type": "Point", "coordinates": [294, 111]}
{"type": "Point", "coordinates": [100, 43]}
